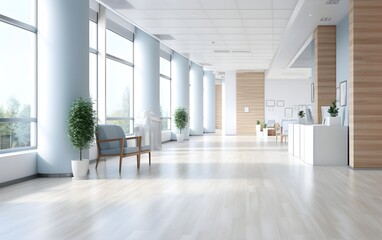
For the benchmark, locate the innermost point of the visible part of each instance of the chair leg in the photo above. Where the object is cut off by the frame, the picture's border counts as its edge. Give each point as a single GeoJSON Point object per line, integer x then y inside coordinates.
{"type": "Point", "coordinates": [97, 161]}
{"type": "Point", "coordinates": [120, 164]}
{"type": "Point", "coordinates": [138, 161]}
{"type": "Point", "coordinates": [149, 158]}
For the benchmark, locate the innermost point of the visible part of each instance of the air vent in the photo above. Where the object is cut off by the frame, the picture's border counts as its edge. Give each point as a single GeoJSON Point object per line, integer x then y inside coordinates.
{"type": "Point", "coordinates": [164, 36]}
{"type": "Point", "coordinates": [332, 2]}
{"type": "Point", "coordinates": [221, 51]}
{"type": "Point", "coordinates": [326, 19]}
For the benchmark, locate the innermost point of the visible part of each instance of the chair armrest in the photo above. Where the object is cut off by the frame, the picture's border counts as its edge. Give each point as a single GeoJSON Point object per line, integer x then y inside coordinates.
{"type": "Point", "coordinates": [138, 140]}
{"type": "Point", "coordinates": [109, 140]}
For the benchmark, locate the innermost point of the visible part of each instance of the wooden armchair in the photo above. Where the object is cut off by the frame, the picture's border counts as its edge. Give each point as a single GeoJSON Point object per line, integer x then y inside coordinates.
{"type": "Point", "coordinates": [111, 141]}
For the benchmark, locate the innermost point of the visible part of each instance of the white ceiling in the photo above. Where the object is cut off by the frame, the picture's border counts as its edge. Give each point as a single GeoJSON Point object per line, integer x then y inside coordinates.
{"type": "Point", "coordinates": [226, 35]}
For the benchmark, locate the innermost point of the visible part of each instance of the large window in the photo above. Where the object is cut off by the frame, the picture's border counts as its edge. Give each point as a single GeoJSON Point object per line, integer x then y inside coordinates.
{"type": "Point", "coordinates": [119, 81]}
{"type": "Point", "coordinates": [18, 75]}
{"type": "Point", "coordinates": [93, 46]}
{"type": "Point", "coordinates": [165, 93]}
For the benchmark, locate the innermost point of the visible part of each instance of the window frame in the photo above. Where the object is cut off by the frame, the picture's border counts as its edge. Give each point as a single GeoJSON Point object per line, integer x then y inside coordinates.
{"type": "Point", "coordinates": [34, 130]}
{"type": "Point", "coordinates": [169, 79]}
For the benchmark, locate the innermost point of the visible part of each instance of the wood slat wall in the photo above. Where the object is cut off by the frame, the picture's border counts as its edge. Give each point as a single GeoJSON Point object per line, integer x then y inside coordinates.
{"type": "Point", "coordinates": [218, 107]}
{"type": "Point", "coordinates": [325, 63]}
{"type": "Point", "coordinates": [365, 109]}
{"type": "Point", "coordinates": [249, 93]}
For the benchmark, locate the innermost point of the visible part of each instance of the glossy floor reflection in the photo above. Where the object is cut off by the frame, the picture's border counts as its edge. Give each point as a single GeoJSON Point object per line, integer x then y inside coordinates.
{"type": "Point", "coordinates": [211, 187]}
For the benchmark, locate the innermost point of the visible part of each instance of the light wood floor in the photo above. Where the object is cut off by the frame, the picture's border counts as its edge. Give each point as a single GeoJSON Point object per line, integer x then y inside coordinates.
{"type": "Point", "coordinates": [210, 187]}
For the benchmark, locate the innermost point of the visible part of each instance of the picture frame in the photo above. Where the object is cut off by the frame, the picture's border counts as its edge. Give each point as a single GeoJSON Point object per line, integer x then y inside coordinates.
{"type": "Point", "coordinates": [288, 112]}
{"type": "Point", "coordinates": [270, 103]}
{"type": "Point", "coordinates": [280, 103]}
{"type": "Point", "coordinates": [343, 93]}
{"type": "Point", "coordinates": [312, 92]}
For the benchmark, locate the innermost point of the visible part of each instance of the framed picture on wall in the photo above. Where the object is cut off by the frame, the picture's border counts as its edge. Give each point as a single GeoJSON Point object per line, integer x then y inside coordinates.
{"type": "Point", "coordinates": [288, 112]}
{"type": "Point", "coordinates": [270, 103]}
{"type": "Point", "coordinates": [312, 92]}
{"type": "Point", "coordinates": [280, 103]}
{"type": "Point", "coordinates": [343, 93]}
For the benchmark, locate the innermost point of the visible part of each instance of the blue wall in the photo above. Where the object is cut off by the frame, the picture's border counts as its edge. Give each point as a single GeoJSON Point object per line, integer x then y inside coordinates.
{"type": "Point", "coordinates": [343, 61]}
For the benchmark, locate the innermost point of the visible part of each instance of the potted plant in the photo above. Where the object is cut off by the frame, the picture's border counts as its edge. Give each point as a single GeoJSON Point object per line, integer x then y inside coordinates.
{"type": "Point", "coordinates": [265, 130]}
{"type": "Point", "coordinates": [82, 126]}
{"type": "Point", "coordinates": [333, 120]}
{"type": "Point", "coordinates": [301, 115]}
{"type": "Point", "coordinates": [258, 127]}
{"type": "Point", "coordinates": [181, 120]}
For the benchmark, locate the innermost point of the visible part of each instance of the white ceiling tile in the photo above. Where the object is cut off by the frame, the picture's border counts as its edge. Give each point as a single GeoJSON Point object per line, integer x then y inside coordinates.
{"type": "Point", "coordinates": [280, 23]}
{"type": "Point", "coordinates": [258, 31]}
{"type": "Point", "coordinates": [223, 13]}
{"type": "Point", "coordinates": [231, 30]}
{"type": "Point", "coordinates": [170, 23]}
{"type": "Point", "coordinates": [254, 4]}
{"type": "Point", "coordinates": [282, 4]}
{"type": "Point", "coordinates": [133, 13]}
{"type": "Point", "coordinates": [198, 23]}
{"type": "Point", "coordinates": [189, 4]}
{"type": "Point", "coordinates": [160, 13]}
{"type": "Point", "coordinates": [282, 13]}
{"type": "Point", "coordinates": [218, 4]}
{"type": "Point", "coordinates": [256, 13]}
{"type": "Point", "coordinates": [185, 37]}
{"type": "Point", "coordinates": [209, 37]}
{"type": "Point", "coordinates": [227, 23]}
{"type": "Point", "coordinates": [257, 23]}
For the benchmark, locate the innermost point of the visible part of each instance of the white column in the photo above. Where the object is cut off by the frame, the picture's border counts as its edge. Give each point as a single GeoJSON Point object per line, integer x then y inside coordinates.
{"type": "Point", "coordinates": [63, 75]}
{"type": "Point", "coordinates": [196, 99]}
{"type": "Point", "coordinates": [180, 87]}
{"type": "Point", "coordinates": [209, 102]}
{"type": "Point", "coordinates": [146, 74]}
{"type": "Point", "coordinates": [229, 103]}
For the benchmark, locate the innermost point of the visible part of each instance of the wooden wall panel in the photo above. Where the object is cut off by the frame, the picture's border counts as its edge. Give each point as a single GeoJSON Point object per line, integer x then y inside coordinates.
{"type": "Point", "coordinates": [249, 93]}
{"type": "Point", "coordinates": [218, 107]}
{"type": "Point", "coordinates": [365, 83]}
{"type": "Point", "coordinates": [325, 63]}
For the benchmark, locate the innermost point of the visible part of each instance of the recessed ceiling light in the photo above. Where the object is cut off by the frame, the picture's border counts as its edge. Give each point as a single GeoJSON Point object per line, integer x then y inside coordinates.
{"type": "Point", "coordinates": [332, 1]}
{"type": "Point", "coordinates": [326, 19]}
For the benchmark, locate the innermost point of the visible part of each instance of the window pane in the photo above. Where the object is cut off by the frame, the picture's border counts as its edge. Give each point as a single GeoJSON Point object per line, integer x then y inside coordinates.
{"type": "Point", "coordinates": [165, 67]}
{"type": "Point", "coordinates": [18, 68]}
{"type": "Point", "coordinates": [166, 124]}
{"type": "Point", "coordinates": [165, 97]}
{"type": "Point", "coordinates": [92, 34]}
{"type": "Point", "coordinates": [119, 46]}
{"type": "Point", "coordinates": [21, 10]}
{"type": "Point", "coordinates": [93, 77]}
{"type": "Point", "coordinates": [127, 125]}
{"type": "Point", "coordinates": [119, 89]}
{"type": "Point", "coordinates": [17, 135]}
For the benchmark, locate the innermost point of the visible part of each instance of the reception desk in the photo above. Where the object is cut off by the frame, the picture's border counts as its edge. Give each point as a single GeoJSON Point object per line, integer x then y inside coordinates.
{"type": "Point", "coordinates": [319, 144]}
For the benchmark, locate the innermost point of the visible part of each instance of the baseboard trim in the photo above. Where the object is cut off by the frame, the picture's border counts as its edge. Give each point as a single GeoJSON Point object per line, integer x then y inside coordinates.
{"type": "Point", "coordinates": [19, 180]}
{"type": "Point", "coordinates": [55, 175]}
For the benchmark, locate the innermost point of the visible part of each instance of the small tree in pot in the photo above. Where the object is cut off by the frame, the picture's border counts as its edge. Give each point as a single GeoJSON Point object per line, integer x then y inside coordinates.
{"type": "Point", "coordinates": [181, 120]}
{"type": "Point", "coordinates": [82, 126]}
{"type": "Point", "coordinates": [333, 119]}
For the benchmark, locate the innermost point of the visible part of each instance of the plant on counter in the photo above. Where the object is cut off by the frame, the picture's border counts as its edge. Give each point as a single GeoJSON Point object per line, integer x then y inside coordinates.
{"type": "Point", "coordinates": [333, 109]}
{"type": "Point", "coordinates": [301, 114]}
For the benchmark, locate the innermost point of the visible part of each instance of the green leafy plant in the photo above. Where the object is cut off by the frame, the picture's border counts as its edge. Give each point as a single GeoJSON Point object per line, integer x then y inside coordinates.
{"type": "Point", "coordinates": [265, 125]}
{"type": "Point", "coordinates": [333, 110]}
{"type": "Point", "coordinates": [257, 122]}
{"type": "Point", "coordinates": [82, 124]}
{"type": "Point", "coordinates": [301, 114]}
{"type": "Point", "coordinates": [180, 118]}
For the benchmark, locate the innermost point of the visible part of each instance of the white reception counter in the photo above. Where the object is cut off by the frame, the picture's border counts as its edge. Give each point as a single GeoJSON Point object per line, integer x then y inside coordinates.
{"type": "Point", "coordinates": [319, 144]}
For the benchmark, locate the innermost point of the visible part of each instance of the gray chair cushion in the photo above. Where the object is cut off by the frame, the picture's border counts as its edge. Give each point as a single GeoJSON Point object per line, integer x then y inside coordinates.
{"type": "Point", "coordinates": [145, 148]}
{"type": "Point", "coordinates": [110, 132]}
{"type": "Point", "coordinates": [114, 151]}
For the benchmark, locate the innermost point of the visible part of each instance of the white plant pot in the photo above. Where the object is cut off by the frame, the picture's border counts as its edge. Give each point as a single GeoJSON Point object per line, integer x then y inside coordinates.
{"type": "Point", "coordinates": [333, 121]}
{"type": "Point", "coordinates": [179, 137]}
{"type": "Point", "coordinates": [258, 130]}
{"type": "Point", "coordinates": [80, 169]}
{"type": "Point", "coordinates": [265, 132]}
